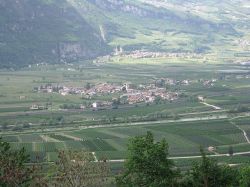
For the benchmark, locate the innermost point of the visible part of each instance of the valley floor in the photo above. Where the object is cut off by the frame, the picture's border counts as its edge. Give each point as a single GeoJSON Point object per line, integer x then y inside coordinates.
{"type": "Point", "coordinates": [218, 122]}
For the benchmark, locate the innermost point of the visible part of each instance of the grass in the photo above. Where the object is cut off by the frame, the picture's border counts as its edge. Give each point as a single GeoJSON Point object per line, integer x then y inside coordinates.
{"type": "Point", "coordinates": [243, 147]}
{"type": "Point", "coordinates": [184, 138]}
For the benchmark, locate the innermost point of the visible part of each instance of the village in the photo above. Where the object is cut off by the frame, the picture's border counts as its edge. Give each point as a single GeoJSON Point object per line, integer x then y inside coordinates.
{"type": "Point", "coordinates": [243, 43]}
{"type": "Point", "coordinates": [140, 54]}
{"type": "Point", "coordinates": [118, 51]}
{"type": "Point", "coordinates": [120, 94]}
{"type": "Point", "coordinates": [148, 54]}
{"type": "Point", "coordinates": [127, 92]}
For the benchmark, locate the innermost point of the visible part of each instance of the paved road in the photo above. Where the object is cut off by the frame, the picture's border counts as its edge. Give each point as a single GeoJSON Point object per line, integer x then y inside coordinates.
{"type": "Point", "coordinates": [156, 122]}
{"type": "Point", "coordinates": [65, 129]}
{"type": "Point", "coordinates": [193, 157]}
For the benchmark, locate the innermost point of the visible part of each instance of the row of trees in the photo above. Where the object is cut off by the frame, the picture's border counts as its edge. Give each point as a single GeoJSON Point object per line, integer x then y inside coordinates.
{"type": "Point", "coordinates": [148, 165]}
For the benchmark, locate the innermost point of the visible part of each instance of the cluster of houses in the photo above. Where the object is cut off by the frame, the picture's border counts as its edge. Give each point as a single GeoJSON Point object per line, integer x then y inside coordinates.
{"type": "Point", "coordinates": [38, 107]}
{"type": "Point", "coordinates": [47, 88]}
{"type": "Point", "coordinates": [168, 81]}
{"type": "Point", "coordinates": [148, 54]}
{"type": "Point", "coordinates": [204, 82]}
{"type": "Point", "coordinates": [149, 95]}
{"type": "Point", "coordinates": [243, 43]}
{"type": "Point", "coordinates": [242, 76]}
{"type": "Point", "coordinates": [245, 63]}
{"type": "Point", "coordinates": [129, 93]}
{"type": "Point", "coordinates": [105, 88]}
{"type": "Point", "coordinates": [208, 83]}
{"type": "Point", "coordinates": [138, 54]}
{"type": "Point", "coordinates": [99, 89]}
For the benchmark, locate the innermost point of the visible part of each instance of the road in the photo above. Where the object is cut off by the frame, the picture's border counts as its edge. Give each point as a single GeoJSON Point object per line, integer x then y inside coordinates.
{"type": "Point", "coordinates": [192, 157]}
{"type": "Point", "coordinates": [224, 116]}
{"type": "Point", "coordinates": [243, 131]}
{"type": "Point", "coordinates": [213, 106]}
{"type": "Point", "coordinates": [65, 129]}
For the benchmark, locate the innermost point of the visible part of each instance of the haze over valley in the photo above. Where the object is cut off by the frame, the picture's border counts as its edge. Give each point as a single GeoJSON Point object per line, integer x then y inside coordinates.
{"type": "Point", "coordinates": [134, 92]}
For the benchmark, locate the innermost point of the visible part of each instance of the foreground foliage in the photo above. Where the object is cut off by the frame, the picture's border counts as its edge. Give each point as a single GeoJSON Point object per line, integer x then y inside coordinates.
{"type": "Point", "coordinates": [148, 164]}
{"type": "Point", "coordinates": [78, 169]}
{"type": "Point", "coordinates": [208, 172]}
{"type": "Point", "coordinates": [13, 171]}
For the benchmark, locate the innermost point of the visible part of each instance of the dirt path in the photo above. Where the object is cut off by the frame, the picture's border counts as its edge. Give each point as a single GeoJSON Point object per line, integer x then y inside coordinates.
{"type": "Point", "coordinates": [71, 137]}
{"type": "Point", "coordinates": [213, 106]}
{"type": "Point", "coordinates": [48, 139]}
{"type": "Point", "coordinates": [94, 155]}
{"type": "Point", "coordinates": [243, 131]}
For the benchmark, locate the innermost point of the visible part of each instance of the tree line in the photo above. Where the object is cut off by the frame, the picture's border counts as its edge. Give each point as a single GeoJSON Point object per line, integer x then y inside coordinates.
{"type": "Point", "coordinates": [147, 165]}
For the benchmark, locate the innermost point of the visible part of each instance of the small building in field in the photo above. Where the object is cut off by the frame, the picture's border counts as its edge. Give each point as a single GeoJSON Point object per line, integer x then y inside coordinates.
{"type": "Point", "coordinates": [95, 105]}
{"type": "Point", "coordinates": [38, 107]}
{"type": "Point", "coordinates": [201, 98]}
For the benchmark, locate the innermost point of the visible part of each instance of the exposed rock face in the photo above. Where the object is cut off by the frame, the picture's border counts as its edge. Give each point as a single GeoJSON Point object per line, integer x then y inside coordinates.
{"type": "Point", "coordinates": [55, 31]}
{"type": "Point", "coordinates": [74, 51]}
{"type": "Point", "coordinates": [71, 50]}
{"type": "Point", "coordinates": [35, 31]}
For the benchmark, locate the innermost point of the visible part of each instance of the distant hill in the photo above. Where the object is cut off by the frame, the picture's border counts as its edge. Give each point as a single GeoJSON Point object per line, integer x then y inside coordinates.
{"type": "Point", "coordinates": [57, 31]}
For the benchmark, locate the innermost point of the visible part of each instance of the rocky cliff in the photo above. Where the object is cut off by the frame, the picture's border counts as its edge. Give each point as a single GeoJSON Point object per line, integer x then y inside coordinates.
{"type": "Point", "coordinates": [45, 31]}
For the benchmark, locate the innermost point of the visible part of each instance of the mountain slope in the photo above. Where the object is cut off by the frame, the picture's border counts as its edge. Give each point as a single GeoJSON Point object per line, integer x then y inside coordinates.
{"type": "Point", "coordinates": [56, 31]}
{"type": "Point", "coordinates": [50, 31]}
{"type": "Point", "coordinates": [142, 25]}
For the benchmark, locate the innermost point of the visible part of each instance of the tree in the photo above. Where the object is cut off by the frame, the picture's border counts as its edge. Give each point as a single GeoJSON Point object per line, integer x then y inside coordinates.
{"type": "Point", "coordinates": [79, 169]}
{"type": "Point", "coordinates": [115, 103]}
{"type": "Point", "coordinates": [160, 83]}
{"type": "Point", "coordinates": [208, 173]}
{"type": "Point", "coordinates": [60, 119]}
{"type": "Point", "coordinates": [148, 164]}
{"type": "Point", "coordinates": [26, 125]}
{"type": "Point", "coordinates": [88, 86]}
{"type": "Point", "coordinates": [230, 151]}
{"type": "Point", "coordinates": [245, 176]}
{"type": "Point", "coordinates": [158, 100]}
{"type": "Point", "coordinates": [13, 171]}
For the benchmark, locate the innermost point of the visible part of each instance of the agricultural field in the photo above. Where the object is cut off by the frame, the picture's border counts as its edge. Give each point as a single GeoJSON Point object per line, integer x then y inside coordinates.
{"type": "Point", "coordinates": [218, 121]}
{"type": "Point", "coordinates": [184, 139]}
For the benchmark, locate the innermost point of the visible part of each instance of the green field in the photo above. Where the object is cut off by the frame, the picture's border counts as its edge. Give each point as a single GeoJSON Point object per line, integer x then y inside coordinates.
{"type": "Point", "coordinates": [186, 123]}
{"type": "Point", "coordinates": [184, 139]}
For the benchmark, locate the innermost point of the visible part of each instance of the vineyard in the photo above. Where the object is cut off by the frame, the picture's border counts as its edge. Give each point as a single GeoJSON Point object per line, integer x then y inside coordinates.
{"type": "Point", "coordinates": [185, 123]}
{"type": "Point", "coordinates": [184, 138]}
